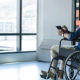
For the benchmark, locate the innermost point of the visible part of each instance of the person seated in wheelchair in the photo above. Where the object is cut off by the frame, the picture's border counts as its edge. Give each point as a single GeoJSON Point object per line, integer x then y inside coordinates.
{"type": "Point", "coordinates": [62, 31]}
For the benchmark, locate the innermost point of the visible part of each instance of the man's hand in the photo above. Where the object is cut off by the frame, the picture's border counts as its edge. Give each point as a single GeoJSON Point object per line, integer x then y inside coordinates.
{"type": "Point", "coordinates": [60, 32]}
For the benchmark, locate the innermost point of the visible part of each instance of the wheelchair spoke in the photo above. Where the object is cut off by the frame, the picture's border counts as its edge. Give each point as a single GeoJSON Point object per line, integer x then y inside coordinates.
{"type": "Point", "coordinates": [75, 75]}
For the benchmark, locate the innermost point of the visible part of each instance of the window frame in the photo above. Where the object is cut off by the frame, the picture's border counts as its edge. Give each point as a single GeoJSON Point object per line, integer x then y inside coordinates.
{"type": "Point", "coordinates": [20, 34]}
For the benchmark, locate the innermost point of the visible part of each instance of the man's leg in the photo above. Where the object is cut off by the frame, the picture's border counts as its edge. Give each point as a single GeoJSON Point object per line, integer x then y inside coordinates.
{"type": "Point", "coordinates": [54, 54]}
{"type": "Point", "coordinates": [54, 63]}
{"type": "Point", "coordinates": [65, 51]}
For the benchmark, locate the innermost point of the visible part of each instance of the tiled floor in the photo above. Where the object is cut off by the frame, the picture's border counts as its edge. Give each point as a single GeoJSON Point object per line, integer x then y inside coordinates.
{"type": "Point", "coordinates": [22, 70]}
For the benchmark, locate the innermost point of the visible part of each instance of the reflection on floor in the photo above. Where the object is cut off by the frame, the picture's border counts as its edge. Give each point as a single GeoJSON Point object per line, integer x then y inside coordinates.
{"type": "Point", "coordinates": [23, 70]}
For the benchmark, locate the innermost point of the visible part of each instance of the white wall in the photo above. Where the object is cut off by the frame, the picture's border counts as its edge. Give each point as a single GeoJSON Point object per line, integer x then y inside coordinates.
{"type": "Point", "coordinates": [52, 13]}
{"type": "Point", "coordinates": [40, 28]}
{"type": "Point", "coordinates": [56, 12]}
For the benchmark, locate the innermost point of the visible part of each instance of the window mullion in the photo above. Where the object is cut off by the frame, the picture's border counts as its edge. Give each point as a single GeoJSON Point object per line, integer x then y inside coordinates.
{"type": "Point", "coordinates": [19, 22]}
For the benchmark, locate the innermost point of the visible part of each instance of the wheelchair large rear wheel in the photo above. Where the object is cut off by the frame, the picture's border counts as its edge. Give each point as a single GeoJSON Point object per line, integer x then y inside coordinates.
{"type": "Point", "coordinates": [72, 66]}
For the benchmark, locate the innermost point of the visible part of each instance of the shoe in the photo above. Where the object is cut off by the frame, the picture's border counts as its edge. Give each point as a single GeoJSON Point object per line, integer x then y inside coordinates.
{"type": "Point", "coordinates": [44, 74]}
{"type": "Point", "coordinates": [60, 72]}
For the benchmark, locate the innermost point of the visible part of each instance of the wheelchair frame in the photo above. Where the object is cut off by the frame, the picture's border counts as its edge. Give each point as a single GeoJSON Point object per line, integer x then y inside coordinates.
{"type": "Point", "coordinates": [71, 71]}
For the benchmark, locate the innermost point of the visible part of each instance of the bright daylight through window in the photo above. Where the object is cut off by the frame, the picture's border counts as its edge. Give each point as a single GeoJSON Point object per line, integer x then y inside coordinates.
{"type": "Point", "coordinates": [16, 37]}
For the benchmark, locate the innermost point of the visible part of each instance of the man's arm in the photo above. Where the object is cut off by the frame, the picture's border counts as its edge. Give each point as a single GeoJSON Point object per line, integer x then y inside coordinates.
{"type": "Point", "coordinates": [73, 35]}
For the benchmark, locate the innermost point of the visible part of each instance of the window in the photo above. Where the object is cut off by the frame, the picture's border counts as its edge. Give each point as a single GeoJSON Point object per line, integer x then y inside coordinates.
{"type": "Point", "coordinates": [8, 16]}
{"type": "Point", "coordinates": [29, 15]}
{"type": "Point", "coordinates": [18, 25]}
{"type": "Point", "coordinates": [75, 16]}
{"type": "Point", "coordinates": [77, 13]}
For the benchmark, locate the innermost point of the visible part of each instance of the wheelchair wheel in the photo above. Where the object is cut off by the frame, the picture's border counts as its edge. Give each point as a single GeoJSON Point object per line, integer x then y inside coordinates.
{"type": "Point", "coordinates": [72, 66]}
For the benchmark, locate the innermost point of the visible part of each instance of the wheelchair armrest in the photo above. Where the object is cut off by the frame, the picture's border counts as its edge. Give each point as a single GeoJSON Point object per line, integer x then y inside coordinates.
{"type": "Point", "coordinates": [64, 39]}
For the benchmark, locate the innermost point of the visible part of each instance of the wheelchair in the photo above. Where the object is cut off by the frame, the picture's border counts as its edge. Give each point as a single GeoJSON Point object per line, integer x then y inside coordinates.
{"type": "Point", "coordinates": [71, 66]}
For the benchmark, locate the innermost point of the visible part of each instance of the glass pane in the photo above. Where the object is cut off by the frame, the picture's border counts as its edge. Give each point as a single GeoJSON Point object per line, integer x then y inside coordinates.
{"type": "Point", "coordinates": [77, 3]}
{"type": "Point", "coordinates": [8, 9]}
{"type": "Point", "coordinates": [29, 43]}
{"type": "Point", "coordinates": [7, 43]}
{"type": "Point", "coordinates": [29, 16]}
